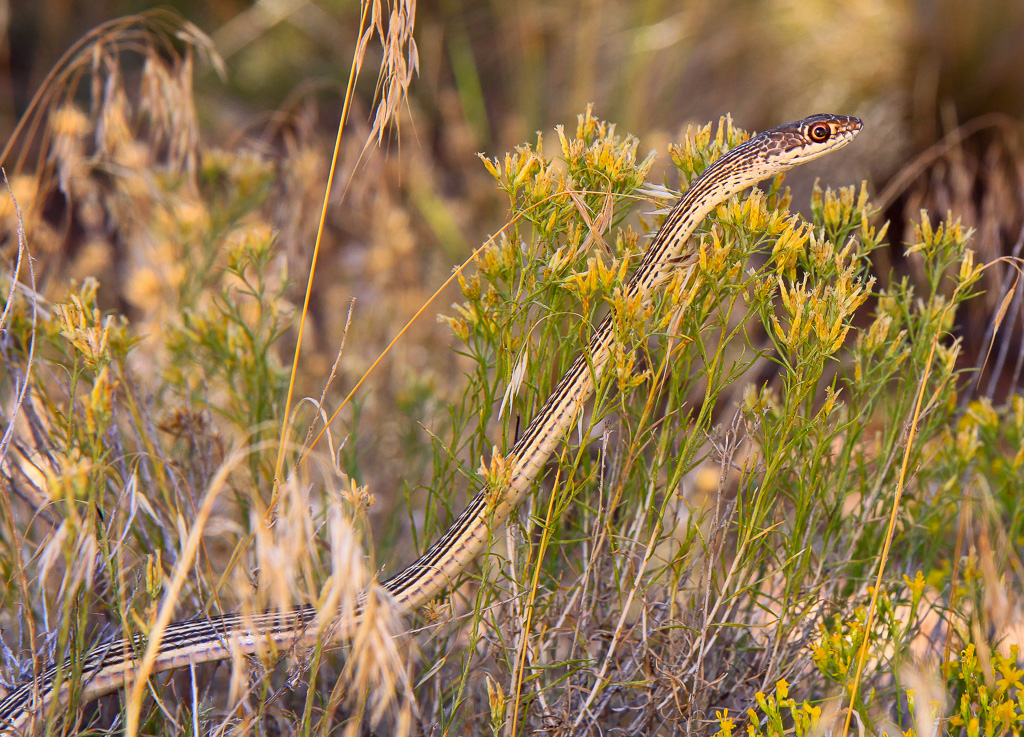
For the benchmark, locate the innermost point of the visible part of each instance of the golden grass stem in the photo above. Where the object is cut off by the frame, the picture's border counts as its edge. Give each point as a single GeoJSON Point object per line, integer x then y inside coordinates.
{"type": "Point", "coordinates": [891, 528]}
{"type": "Point", "coordinates": [140, 678]}
{"type": "Point", "coordinates": [346, 106]}
{"type": "Point", "coordinates": [525, 641]}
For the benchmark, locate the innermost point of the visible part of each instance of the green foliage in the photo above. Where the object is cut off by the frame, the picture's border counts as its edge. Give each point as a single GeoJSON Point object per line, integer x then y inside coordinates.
{"type": "Point", "coordinates": [777, 714]}
{"type": "Point", "coordinates": [777, 550]}
{"type": "Point", "coordinates": [231, 335]}
{"type": "Point", "coordinates": [991, 696]}
{"type": "Point", "coordinates": [127, 423]}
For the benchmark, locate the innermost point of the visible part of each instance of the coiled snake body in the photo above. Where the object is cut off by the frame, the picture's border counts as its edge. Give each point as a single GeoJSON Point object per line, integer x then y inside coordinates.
{"type": "Point", "coordinates": [107, 667]}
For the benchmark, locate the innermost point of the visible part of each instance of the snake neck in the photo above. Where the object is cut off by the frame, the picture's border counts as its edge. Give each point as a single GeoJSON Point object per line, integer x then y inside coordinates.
{"type": "Point", "coordinates": [434, 572]}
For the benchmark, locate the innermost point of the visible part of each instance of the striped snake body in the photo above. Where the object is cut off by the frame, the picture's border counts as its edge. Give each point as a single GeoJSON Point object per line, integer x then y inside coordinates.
{"type": "Point", "coordinates": [203, 639]}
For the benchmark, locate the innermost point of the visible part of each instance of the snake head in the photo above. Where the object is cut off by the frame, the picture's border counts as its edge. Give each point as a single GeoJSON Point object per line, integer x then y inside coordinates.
{"type": "Point", "coordinates": [804, 140]}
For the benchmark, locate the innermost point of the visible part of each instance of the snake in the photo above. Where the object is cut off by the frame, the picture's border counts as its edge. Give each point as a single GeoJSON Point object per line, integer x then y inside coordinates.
{"type": "Point", "coordinates": [107, 667]}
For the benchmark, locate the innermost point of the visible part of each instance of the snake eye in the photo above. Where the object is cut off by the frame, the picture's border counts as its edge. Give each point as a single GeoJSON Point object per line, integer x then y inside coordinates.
{"type": "Point", "coordinates": [819, 132]}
